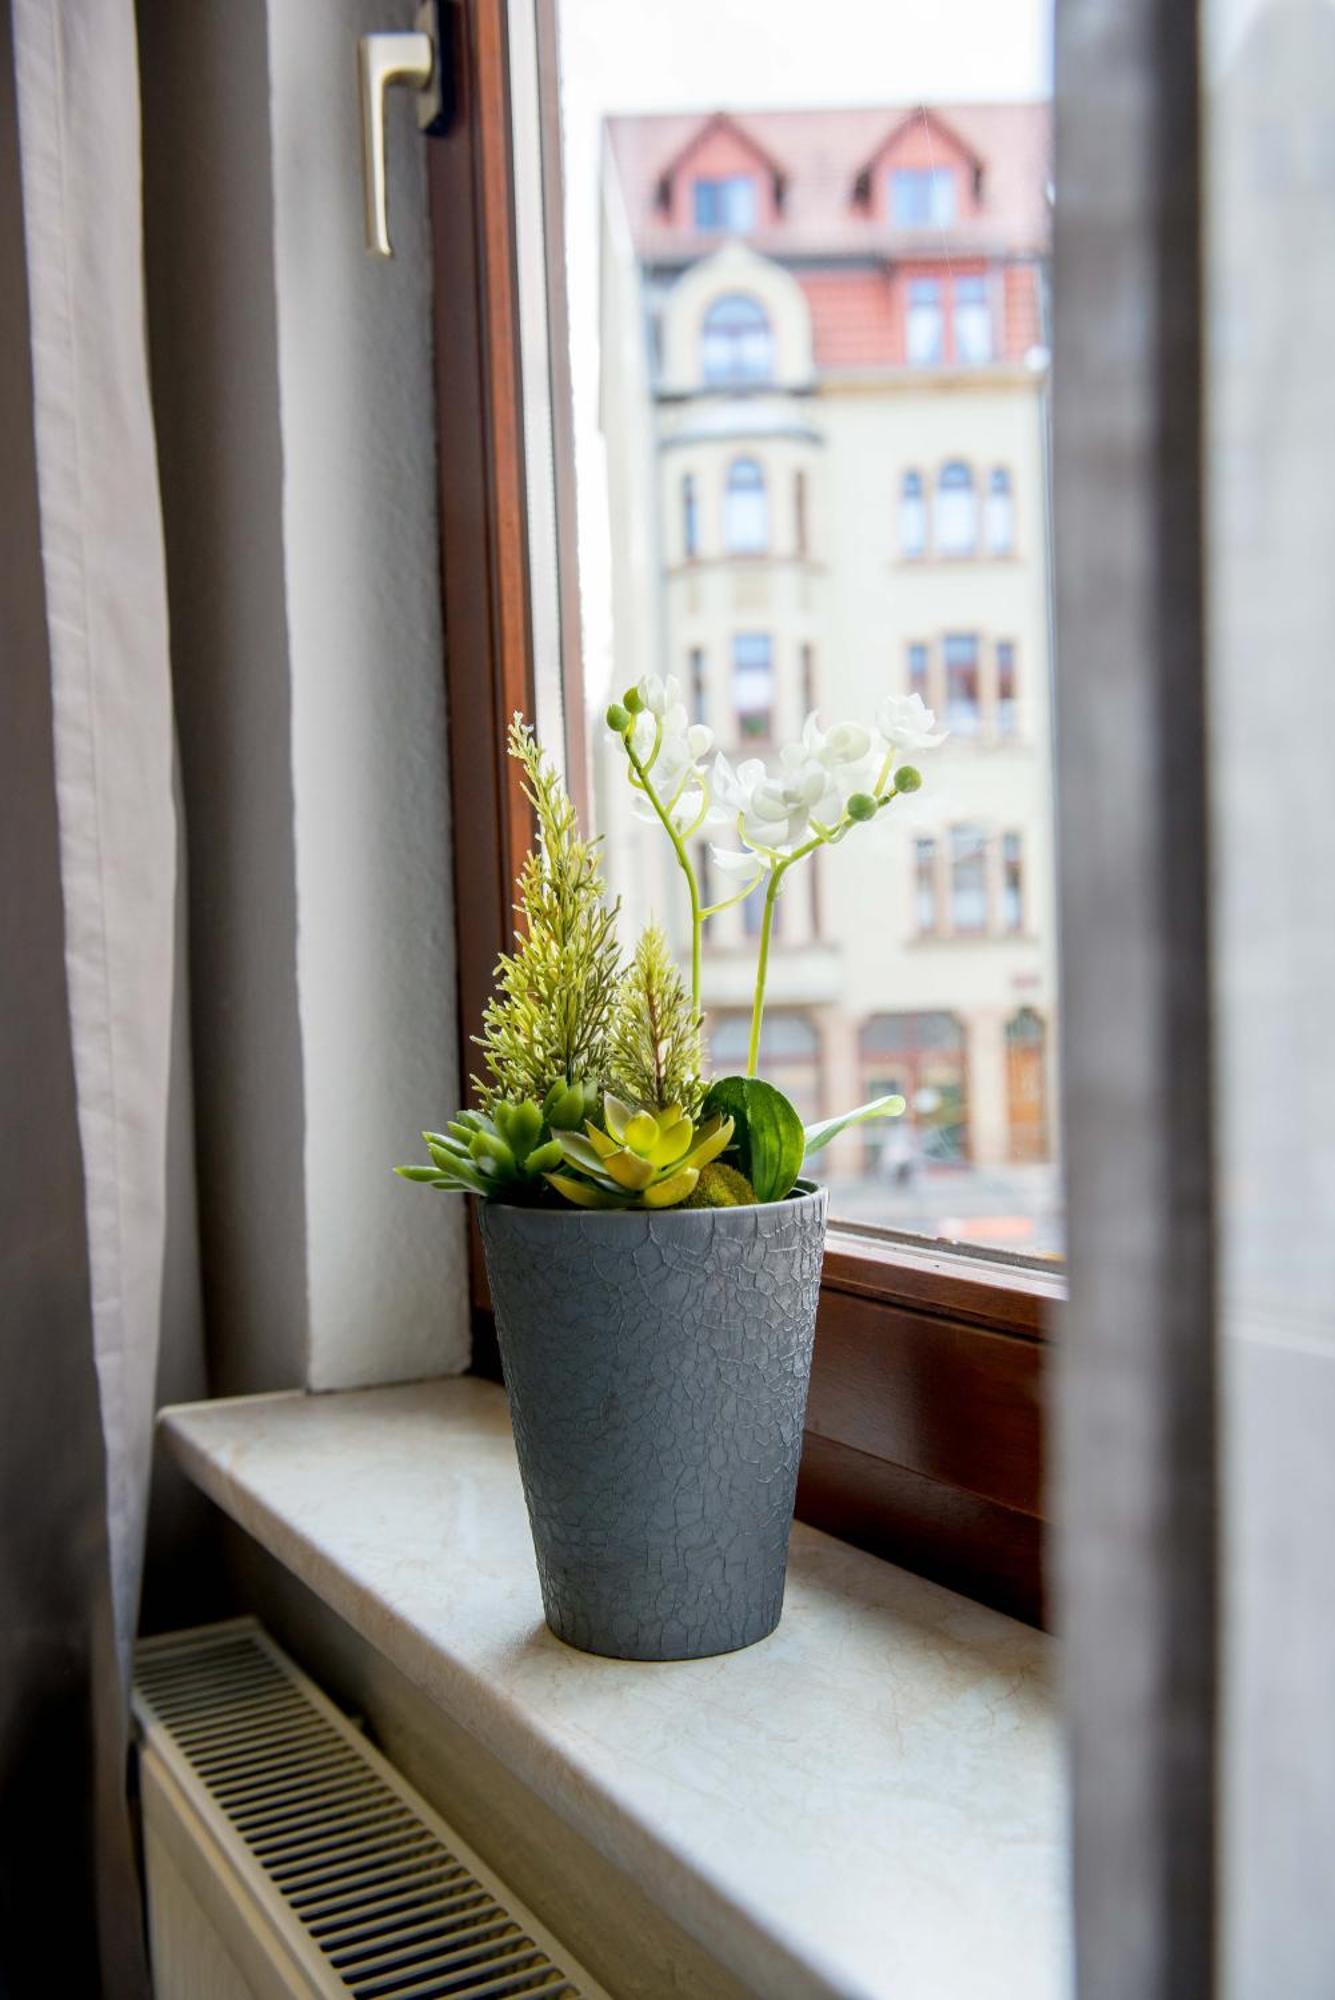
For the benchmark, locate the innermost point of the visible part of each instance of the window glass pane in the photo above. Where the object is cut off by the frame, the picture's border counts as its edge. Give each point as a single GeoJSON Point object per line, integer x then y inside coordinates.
{"type": "Point", "coordinates": [963, 705]}
{"type": "Point", "coordinates": [924, 885]}
{"type": "Point", "coordinates": [956, 511]}
{"type": "Point", "coordinates": [729, 203]}
{"type": "Point", "coordinates": [968, 880]}
{"type": "Point", "coordinates": [737, 345]}
{"type": "Point", "coordinates": [690, 517]}
{"type": "Point", "coordinates": [1000, 517]}
{"type": "Point", "coordinates": [926, 325]}
{"type": "Point", "coordinates": [753, 684]}
{"type": "Point", "coordinates": [920, 196]}
{"type": "Point", "coordinates": [1007, 711]}
{"type": "Point", "coordinates": [833, 322]}
{"type": "Point", "coordinates": [745, 509]}
{"type": "Point", "coordinates": [973, 321]}
{"type": "Point", "coordinates": [1012, 882]}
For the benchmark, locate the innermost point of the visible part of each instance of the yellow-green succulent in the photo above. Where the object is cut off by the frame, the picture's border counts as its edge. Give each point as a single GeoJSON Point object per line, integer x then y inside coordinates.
{"type": "Point", "coordinates": [645, 1158]}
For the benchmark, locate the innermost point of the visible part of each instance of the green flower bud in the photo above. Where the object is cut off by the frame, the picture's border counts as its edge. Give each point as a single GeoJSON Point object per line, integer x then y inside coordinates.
{"type": "Point", "coordinates": [862, 806]}
{"type": "Point", "coordinates": [618, 719]}
{"type": "Point", "coordinates": [907, 779]}
{"type": "Point", "coordinates": [631, 701]}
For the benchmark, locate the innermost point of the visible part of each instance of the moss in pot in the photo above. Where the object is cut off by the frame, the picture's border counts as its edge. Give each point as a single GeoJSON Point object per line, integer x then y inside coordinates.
{"type": "Point", "coordinates": [652, 1247]}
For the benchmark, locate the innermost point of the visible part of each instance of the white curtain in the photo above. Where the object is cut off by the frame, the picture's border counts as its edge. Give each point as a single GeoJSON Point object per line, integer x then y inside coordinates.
{"type": "Point", "coordinates": [100, 529]}
{"type": "Point", "coordinates": [1271, 267]}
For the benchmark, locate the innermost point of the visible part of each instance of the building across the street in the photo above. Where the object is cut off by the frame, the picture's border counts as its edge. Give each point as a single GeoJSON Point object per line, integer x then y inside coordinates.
{"type": "Point", "coordinates": [823, 395]}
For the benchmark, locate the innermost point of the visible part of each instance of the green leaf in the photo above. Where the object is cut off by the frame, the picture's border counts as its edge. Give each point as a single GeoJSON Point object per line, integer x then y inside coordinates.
{"type": "Point", "coordinates": [768, 1140]}
{"type": "Point", "coordinates": [830, 1128]}
{"type": "Point", "coordinates": [428, 1175]}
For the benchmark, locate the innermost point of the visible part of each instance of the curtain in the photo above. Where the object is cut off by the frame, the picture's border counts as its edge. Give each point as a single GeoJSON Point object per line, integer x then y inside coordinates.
{"type": "Point", "coordinates": [87, 880]}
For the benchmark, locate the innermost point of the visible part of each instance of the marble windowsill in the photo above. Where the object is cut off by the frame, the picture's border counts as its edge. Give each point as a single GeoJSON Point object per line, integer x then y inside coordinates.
{"type": "Point", "coordinates": [870, 1803]}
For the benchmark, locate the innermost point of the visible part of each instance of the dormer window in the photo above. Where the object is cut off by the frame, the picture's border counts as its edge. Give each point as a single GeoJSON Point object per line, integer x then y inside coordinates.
{"type": "Point", "coordinates": [737, 344]}
{"type": "Point", "coordinates": [922, 197]}
{"type": "Point", "coordinates": [726, 202]}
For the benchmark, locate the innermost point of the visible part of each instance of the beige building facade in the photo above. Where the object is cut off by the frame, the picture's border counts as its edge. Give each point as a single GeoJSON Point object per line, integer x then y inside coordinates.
{"type": "Point", "coordinates": [825, 490]}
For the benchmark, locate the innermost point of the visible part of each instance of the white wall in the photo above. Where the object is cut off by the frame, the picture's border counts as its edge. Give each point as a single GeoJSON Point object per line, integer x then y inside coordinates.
{"type": "Point", "coordinates": [299, 470]}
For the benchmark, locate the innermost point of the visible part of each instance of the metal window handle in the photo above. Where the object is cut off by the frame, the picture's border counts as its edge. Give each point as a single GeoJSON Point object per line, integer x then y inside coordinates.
{"type": "Point", "coordinates": [410, 58]}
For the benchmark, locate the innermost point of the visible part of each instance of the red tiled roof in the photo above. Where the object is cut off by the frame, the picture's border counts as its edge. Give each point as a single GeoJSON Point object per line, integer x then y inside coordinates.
{"type": "Point", "coordinates": [821, 154]}
{"type": "Point", "coordinates": [853, 322]}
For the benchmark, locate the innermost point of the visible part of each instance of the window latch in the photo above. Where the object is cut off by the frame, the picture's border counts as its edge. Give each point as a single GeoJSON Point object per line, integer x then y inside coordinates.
{"type": "Point", "coordinates": [420, 58]}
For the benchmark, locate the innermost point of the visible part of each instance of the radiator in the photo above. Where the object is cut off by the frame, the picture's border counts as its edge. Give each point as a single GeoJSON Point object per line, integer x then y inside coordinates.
{"type": "Point", "coordinates": [285, 1857]}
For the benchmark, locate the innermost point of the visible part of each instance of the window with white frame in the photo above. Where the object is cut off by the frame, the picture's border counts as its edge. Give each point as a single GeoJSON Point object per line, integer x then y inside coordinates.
{"type": "Point", "coordinates": [926, 901]}
{"type": "Point", "coordinates": [972, 319]}
{"type": "Point", "coordinates": [753, 684]}
{"type": "Point", "coordinates": [919, 670]}
{"type": "Point", "coordinates": [964, 708]}
{"type": "Point", "coordinates": [1012, 882]}
{"type": "Point", "coordinates": [968, 881]}
{"type": "Point", "coordinates": [956, 510]}
{"type": "Point", "coordinates": [690, 517]}
{"type": "Point", "coordinates": [725, 201]}
{"type": "Point", "coordinates": [698, 685]}
{"type": "Point", "coordinates": [912, 516]}
{"type": "Point", "coordinates": [1008, 711]}
{"type": "Point", "coordinates": [737, 343]}
{"type": "Point", "coordinates": [925, 335]}
{"type": "Point", "coordinates": [999, 517]}
{"type": "Point", "coordinates": [922, 197]}
{"type": "Point", "coordinates": [745, 509]}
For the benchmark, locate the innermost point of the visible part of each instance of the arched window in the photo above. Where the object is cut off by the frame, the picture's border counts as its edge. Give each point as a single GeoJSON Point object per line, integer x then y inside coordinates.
{"type": "Point", "coordinates": [745, 509]}
{"type": "Point", "coordinates": [956, 510]}
{"type": "Point", "coordinates": [737, 343]}
{"type": "Point", "coordinates": [690, 517]}
{"type": "Point", "coordinates": [912, 516]}
{"type": "Point", "coordinates": [999, 521]}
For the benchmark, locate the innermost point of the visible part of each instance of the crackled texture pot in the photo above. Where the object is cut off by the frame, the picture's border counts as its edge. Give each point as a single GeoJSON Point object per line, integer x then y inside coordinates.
{"type": "Point", "coordinates": [657, 1369]}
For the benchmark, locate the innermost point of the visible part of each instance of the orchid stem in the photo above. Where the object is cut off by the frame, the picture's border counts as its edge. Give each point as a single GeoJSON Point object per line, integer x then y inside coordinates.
{"type": "Point", "coordinates": [683, 862]}
{"type": "Point", "coordinates": [762, 969]}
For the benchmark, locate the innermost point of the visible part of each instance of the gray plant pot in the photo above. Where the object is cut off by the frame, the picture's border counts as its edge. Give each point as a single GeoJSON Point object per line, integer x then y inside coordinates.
{"type": "Point", "coordinates": [657, 1368]}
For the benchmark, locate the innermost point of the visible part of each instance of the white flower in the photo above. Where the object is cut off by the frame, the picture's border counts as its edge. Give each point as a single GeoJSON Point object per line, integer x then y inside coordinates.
{"type": "Point", "coordinates": [840, 755]}
{"type": "Point", "coordinates": [773, 812]}
{"type": "Point", "coordinates": [845, 743]}
{"type": "Point", "coordinates": [658, 695]}
{"type": "Point", "coordinates": [738, 861]}
{"type": "Point", "coordinates": [906, 723]}
{"type": "Point", "coordinates": [677, 773]}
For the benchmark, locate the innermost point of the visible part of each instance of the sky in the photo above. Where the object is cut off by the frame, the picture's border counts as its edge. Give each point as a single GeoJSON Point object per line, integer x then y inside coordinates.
{"type": "Point", "coordinates": [630, 55]}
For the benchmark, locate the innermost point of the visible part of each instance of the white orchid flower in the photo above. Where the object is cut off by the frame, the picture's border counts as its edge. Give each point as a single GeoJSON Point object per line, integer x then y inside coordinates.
{"type": "Point", "coordinates": [906, 723]}
{"type": "Point", "coordinates": [739, 862]}
{"type": "Point", "coordinates": [658, 695]}
{"type": "Point", "coordinates": [773, 811]}
{"type": "Point", "coordinates": [844, 743]}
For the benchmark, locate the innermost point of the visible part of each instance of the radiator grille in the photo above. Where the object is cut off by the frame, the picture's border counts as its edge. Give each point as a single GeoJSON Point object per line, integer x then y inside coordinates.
{"type": "Point", "coordinates": [357, 1859]}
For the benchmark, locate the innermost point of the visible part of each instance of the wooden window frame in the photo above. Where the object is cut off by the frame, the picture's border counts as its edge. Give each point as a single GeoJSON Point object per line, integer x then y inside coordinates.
{"type": "Point", "coordinates": [925, 1430]}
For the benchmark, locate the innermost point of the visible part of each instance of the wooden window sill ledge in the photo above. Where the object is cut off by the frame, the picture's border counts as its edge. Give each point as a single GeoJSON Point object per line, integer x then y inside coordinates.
{"type": "Point", "coordinates": [869, 1803]}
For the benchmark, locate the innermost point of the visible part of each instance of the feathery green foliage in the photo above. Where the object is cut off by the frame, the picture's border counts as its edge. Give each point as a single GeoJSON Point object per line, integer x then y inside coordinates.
{"type": "Point", "coordinates": [654, 1053]}
{"type": "Point", "coordinates": [548, 1021]}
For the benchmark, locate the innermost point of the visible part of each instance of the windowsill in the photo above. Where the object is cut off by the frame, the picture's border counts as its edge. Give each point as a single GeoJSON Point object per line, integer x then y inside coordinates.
{"type": "Point", "coordinates": [868, 1803]}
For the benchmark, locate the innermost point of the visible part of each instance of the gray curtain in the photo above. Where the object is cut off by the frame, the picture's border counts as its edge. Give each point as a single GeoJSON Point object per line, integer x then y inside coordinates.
{"type": "Point", "coordinates": [87, 873]}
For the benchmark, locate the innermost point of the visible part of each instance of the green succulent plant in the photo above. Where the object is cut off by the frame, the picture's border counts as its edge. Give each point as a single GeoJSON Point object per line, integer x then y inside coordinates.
{"type": "Point", "coordinates": [502, 1153]}
{"type": "Point", "coordinates": [645, 1158]}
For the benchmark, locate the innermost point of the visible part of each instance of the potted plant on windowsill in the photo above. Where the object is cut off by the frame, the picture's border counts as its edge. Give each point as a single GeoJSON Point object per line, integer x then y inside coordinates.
{"type": "Point", "coordinates": [653, 1248]}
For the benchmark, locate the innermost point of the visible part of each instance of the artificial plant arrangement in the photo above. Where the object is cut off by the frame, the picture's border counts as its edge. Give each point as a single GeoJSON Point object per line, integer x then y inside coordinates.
{"type": "Point", "coordinates": [652, 1252]}
{"type": "Point", "coordinates": [594, 1093]}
